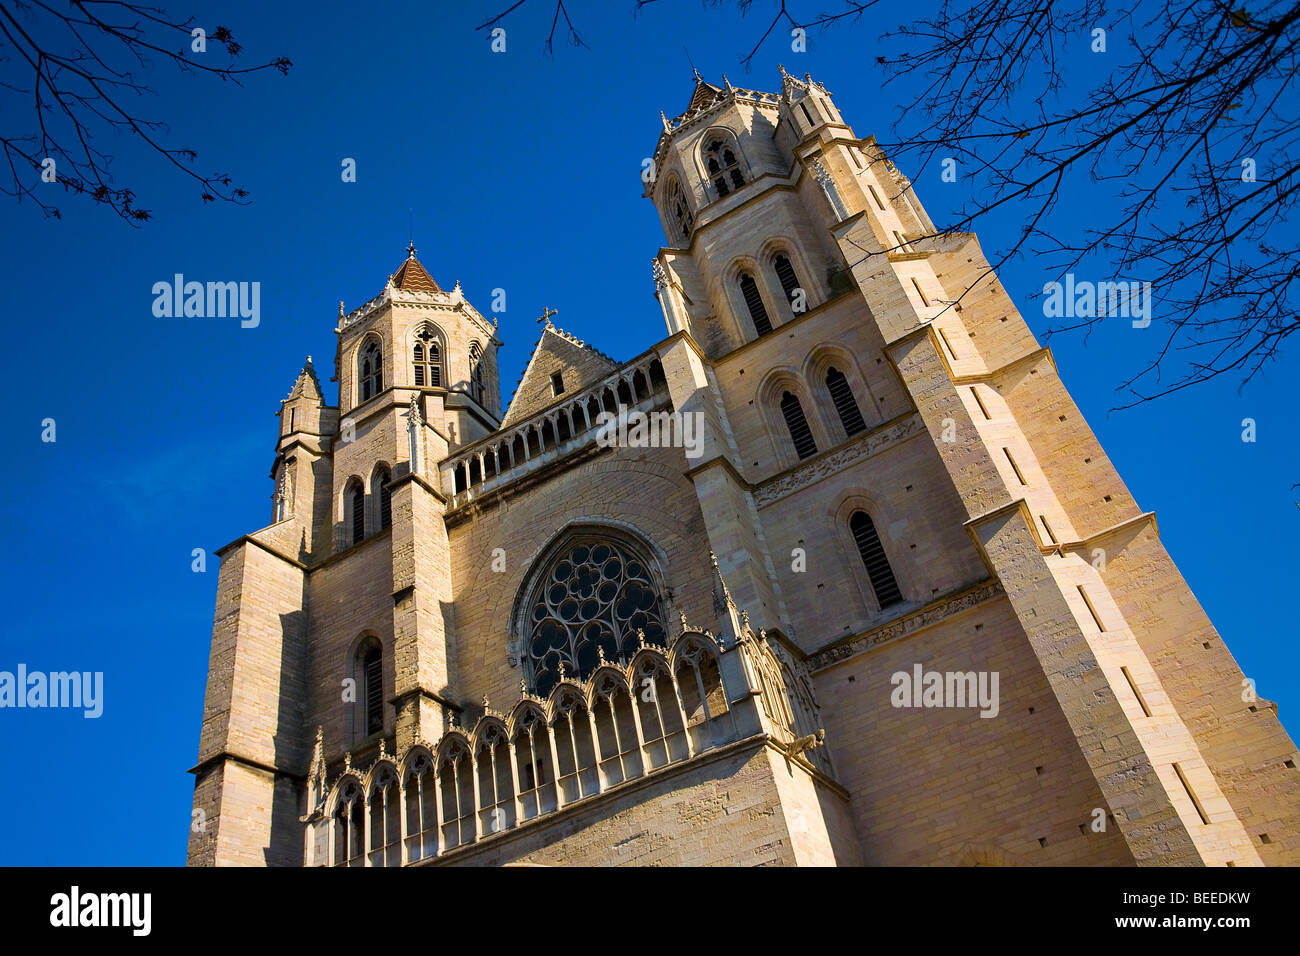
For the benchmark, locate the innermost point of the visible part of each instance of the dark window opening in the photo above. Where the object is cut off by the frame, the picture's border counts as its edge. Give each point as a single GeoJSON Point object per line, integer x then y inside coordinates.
{"type": "Point", "coordinates": [872, 551]}
{"type": "Point", "coordinates": [374, 678]}
{"type": "Point", "coordinates": [845, 405]}
{"type": "Point", "coordinates": [757, 312]}
{"type": "Point", "coordinates": [805, 445]}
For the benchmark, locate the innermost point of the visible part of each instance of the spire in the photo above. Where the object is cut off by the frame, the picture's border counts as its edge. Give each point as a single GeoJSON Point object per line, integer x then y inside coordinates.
{"type": "Point", "coordinates": [730, 629]}
{"type": "Point", "coordinates": [307, 385]}
{"type": "Point", "coordinates": [413, 277]}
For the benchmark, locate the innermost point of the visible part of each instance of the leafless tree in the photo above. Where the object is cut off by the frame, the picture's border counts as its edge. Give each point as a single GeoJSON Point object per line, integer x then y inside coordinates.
{"type": "Point", "coordinates": [1178, 122]}
{"type": "Point", "coordinates": [75, 70]}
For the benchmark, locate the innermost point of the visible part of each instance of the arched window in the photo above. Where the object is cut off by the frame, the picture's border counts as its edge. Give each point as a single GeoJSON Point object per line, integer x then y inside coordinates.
{"type": "Point", "coordinates": [476, 373]}
{"type": "Point", "coordinates": [380, 485]}
{"type": "Point", "coordinates": [681, 211]}
{"type": "Point", "coordinates": [873, 556]}
{"type": "Point", "coordinates": [370, 369]}
{"type": "Point", "coordinates": [372, 675]}
{"type": "Point", "coordinates": [845, 405]}
{"type": "Point", "coordinates": [723, 166]}
{"type": "Point", "coordinates": [427, 359]}
{"type": "Point", "coordinates": [796, 295]}
{"type": "Point", "coordinates": [805, 445]}
{"type": "Point", "coordinates": [754, 301]}
{"type": "Point", "coordinates": [356, 497]}
{"type": "Point", "coordinates": [591, 598]}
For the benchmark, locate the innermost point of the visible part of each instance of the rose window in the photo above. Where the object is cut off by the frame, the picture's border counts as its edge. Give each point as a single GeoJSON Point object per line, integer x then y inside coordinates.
{"type": "Point", "coordinates": [594, 597]}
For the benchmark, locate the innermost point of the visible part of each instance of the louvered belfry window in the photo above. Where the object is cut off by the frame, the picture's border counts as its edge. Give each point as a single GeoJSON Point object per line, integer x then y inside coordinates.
{"type": "Point", "coordinates": [373, 667]}
{"type": "Point", "coordinates": [757, 313]}
{"type": "Point", "coordinates": [427, 359]}
{"type": "Point", "coordinates": [873, 556]}
{"type": "Point", "coordinates": [385, 501]}
{"type": "Point", "coordinates": [724, 168]}
{"type": "Point", "coordinates": [845, 405]}
{"type": "Point", "coordinates": [804, 444]}
{"type": "Point", "coordinates": [358, 513]}
{"type": "Point", "coordinates": [370, 370]}
{"type": "Point", "coordinates": [789, 281]}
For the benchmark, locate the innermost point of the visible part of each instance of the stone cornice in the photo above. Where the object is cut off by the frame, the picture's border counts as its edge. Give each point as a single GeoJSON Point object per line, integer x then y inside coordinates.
{"type": "Point", "coordinates": [809, 472]}
{"type": "Point", "coordinates": [918, 620]}
{"type": "Point", "coordinates": [224, 755]}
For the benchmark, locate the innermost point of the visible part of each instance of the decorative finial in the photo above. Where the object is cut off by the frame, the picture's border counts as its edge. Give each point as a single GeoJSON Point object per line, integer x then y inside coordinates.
{"type": "Point", "coordinates": [713, 560]}
{"type": "Point", "coordinates": [682, 615]}
{"type": "Point", "coordinates": [485, 703]}
{"type": "Point", "coordinates": [781, 67]}
{"type": "Point", "coordinates": [808, 78]}
{"type": "Point", "coordinates": [726, 82]}
{"type": "Point", "coordinates": [561, 671]}
{"type": "Point", "coordinates": [667, 125]}
{"type": "Point", "coordinates": [523, 688]}
{"type": "Point", "coordinates": [347, 762]}
{"type": "Point", "coordinates": [340, 308]}
{"type": "Point", "coordinates": [600, 653]}
{"type": "Point", "coordinates": [545, 317]}
{"type": "Point", "coordinates": [410, 249]}
{"type": "Point", "coordinates": [698, 78]}
{"type": "Point", "coordinates": [383, 754]}
{"type": "Point", "coordinates": [744, 619]}
{"type": "Point", "coordinates": [640, 637]}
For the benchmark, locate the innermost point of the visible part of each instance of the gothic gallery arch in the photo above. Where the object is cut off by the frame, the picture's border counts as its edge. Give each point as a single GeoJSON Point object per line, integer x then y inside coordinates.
{"type": "Point", "coordinates": [589, 596]}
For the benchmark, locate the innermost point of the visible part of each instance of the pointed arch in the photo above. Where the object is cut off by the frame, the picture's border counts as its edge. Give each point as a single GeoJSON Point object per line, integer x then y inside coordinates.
{"type": "Point", "coordinates": [476, 373]}
{"type": "Point", "coordinates": [370, 367]}
{"type": "Point", "coordinates": [382, 496]}
{"type": "Point", "coordinates": [427, 351]}
{"type": "Point", "coordinates": [419, 789]}
{"type": "Point", "coordinates": [595, 588]}
{"type": "Point", "coordinates": [843, 398]}
{"type": "Point", "coordinates": [722, 161]}
{"type": "Point", "coordinates": [678, 208]}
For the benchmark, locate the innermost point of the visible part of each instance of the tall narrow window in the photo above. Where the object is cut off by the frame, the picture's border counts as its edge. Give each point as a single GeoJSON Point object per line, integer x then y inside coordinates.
{"type": "Point", "coordinates": [794, 294]}
{"type": "Point", "coordinates": [845, 405]}
{"type": "Point", "coordinates": [358, 497]}
{"type": "Point", "coordinates": [370, 369]}
{"type": "Point", "coordinates": [873, 556]}
{"type": "Point", "coordinates": [373, 672]}
{"type": "Point", "coordinates": [385, 499]}
{"type": "Point", "coordinates": [681, 210]}
{"type": "Point", "coordinates": [754, 301]}
{"type": "Point", "coordinates": [427, 359]}
{"type": "Point", "coordinates": [476, 373]}
{"type": "Point", "coordinates": [802, 436]}
{"type": "Point", "coordinates": [724, 167]}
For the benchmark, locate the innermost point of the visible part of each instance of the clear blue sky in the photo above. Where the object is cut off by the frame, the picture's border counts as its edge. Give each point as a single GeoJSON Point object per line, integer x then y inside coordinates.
{"type": "Point", "coordinates": [523, 173]}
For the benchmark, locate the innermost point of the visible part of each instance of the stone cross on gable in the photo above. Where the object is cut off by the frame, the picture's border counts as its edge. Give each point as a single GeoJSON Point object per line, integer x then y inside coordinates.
{"type": "Point", "coordinates": [545, 317]}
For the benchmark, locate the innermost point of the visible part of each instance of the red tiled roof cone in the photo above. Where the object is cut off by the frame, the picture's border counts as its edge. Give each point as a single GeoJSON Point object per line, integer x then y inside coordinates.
{"type": "Point", "coordinates": [413, 277]}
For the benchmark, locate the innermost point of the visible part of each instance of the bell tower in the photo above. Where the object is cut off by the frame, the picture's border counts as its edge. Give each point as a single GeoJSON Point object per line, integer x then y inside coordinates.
{"type": "Point", "coordinates": [887, 442]}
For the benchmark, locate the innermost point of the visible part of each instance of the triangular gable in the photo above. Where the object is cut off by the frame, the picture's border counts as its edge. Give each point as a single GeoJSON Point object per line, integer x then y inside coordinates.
{"type": "Point", "coordinates": [556, 351]}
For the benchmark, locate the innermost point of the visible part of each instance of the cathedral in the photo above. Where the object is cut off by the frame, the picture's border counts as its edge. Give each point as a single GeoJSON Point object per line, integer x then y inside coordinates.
{"type": "Point", "coordinates": [834, 573]}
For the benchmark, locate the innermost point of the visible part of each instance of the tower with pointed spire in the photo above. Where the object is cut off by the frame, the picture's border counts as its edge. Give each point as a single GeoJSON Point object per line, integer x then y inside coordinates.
{"type": "Point", "coordinates": [835, 572]}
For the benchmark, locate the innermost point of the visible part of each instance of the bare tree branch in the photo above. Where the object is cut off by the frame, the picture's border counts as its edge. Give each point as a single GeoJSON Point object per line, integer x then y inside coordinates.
{"type": "Point", "coordinates": [74, 69]}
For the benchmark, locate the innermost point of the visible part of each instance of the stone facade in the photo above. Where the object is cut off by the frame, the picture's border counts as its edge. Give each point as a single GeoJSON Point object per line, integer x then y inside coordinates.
{"type": "Point", "coordinates": [485, 637]}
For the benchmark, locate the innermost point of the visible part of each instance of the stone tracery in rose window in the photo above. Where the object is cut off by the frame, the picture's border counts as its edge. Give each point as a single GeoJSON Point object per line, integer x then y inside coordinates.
{"type": "Point", "coordinates": [594, 596]}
